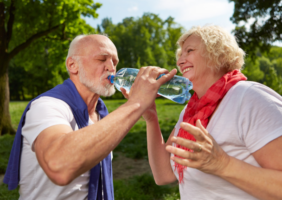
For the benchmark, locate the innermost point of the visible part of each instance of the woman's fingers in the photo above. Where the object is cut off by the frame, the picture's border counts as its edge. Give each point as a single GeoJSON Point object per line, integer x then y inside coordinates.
{"type": "Point", "coordinates": [199, 125]}
{"type": "Point", "coordinates": [195, 146]}
{"type": "Point", "coordinates": [182, 153]}
{"type": "Point", "coordinates": [206, 156]}
{"type": "Point", "coordinates": [124, 92]}
{"type": "Point", "coordinates": [194, 130]}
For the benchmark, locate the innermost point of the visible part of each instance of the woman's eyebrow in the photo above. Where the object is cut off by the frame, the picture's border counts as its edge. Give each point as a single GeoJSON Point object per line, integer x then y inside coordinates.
{"type": "Point", "coordinates": [188, 46]}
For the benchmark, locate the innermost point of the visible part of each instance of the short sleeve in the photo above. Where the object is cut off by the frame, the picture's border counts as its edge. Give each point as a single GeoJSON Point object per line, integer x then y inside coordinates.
{"type": "Point", "coordinates": [260, 117]}
{"type": "Point", "coordinates": [180, 119]}
{"type": "Point", "coordinates": [43, 113]}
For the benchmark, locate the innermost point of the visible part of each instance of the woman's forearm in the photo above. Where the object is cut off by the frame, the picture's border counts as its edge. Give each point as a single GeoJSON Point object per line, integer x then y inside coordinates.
{"type": "Point", "coordinates": [159, 158]}
{"type": "Point", "coordinates": [259, 182]}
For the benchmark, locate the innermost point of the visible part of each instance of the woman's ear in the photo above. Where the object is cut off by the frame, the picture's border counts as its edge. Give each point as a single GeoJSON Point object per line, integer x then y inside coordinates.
{"type": "Point", "coordinates": [72, 65]}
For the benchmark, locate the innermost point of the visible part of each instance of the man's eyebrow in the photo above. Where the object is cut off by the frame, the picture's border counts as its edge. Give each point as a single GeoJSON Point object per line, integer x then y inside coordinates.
{"type": "Point", "coordinates": [102, 54]}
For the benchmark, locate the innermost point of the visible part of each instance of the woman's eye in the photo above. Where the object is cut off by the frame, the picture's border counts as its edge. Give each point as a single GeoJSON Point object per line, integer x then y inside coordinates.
{"type": "Point", "coordinates": [189, 50]}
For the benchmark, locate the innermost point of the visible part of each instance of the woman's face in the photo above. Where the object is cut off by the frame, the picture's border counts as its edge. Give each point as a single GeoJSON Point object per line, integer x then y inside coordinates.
{"type": "Point", "coordinates": [191, 62]}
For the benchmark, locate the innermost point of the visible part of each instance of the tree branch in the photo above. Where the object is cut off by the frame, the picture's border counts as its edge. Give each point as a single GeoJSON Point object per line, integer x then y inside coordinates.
{"type": "Point", "coordinates": [22, 46]}
{"type": "Point", "coordinates": [11, 21]}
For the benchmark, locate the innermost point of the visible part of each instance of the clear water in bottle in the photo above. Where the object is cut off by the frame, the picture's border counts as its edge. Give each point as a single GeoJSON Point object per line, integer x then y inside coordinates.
{"type": "Point", "coordinates": [177, 89]}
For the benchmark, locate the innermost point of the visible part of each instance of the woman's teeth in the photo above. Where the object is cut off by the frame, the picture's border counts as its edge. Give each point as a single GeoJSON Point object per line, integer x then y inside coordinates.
{"type": "Point", "coordinates": [186, 70]}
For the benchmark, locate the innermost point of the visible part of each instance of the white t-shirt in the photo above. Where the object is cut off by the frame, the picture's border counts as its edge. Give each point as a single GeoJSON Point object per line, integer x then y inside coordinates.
{"type": "Point", "coordinates": [248, 117]}
{"type": "Point", "coordinates": [34, 184]}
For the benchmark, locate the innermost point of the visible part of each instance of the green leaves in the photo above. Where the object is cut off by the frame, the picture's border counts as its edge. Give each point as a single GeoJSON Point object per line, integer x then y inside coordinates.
{"type": "Point", "coordinates": [265, 20]}
{"type": "Point", "coordinates": [145, 41]}
{"type": "Point", "coordinates": [41, 58]}
{"type": "Point", "coordinates": [266, 69]}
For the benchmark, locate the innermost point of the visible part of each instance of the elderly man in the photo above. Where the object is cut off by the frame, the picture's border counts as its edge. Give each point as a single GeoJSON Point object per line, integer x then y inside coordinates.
{"type": "Point", "coordinates": [66, 145]}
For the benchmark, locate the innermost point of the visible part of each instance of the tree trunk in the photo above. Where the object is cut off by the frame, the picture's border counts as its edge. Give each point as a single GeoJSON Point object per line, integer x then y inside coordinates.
{"type": "Point", "coordinates": [5, 118]}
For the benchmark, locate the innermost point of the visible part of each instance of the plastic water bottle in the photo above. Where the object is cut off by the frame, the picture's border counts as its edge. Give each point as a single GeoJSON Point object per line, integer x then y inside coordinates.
{"type": "Point", "coordinates": [177, 89]}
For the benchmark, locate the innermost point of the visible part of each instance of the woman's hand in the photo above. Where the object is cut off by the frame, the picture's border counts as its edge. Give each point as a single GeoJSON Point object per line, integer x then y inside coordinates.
{"type": "Point", "coordinates": [124, 92]}
{"type": "Point", "coordinates": [207, 155]}
{"type": "Point", "coordinates": [149, 113]}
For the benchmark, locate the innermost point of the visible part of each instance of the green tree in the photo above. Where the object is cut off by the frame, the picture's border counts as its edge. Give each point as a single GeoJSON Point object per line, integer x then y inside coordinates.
{"type": "Point", "coordinates": [23, 22]}
{"type": "Point", "coordinates": [265, 18]}
{"type": "Point", "coordinates": [266, 69]}
{"type": "Point", "coordinates": [275, 56]}
{"type": "Point", "coordinates": [144, 41]}
{"type": "Point", "coordinates": [272, 80]}
{"type": "Point", "coordinates": [252, 71]}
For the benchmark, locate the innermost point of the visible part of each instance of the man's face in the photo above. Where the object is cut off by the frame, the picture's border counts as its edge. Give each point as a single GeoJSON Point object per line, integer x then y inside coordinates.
{"type": "Point", "coordinates": [99, 62]}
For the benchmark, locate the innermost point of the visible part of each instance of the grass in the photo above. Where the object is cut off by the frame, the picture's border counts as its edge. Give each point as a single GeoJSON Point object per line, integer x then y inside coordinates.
{"type": "Point", "coordinates": [134, 145]}
{"type": "Point", "coordinates": [16, 110]}
{"type": "Point", "coordinates": [143, 188]}
{"type": "Point", "coordinates": [6, 142]}
{"type": "Point", "coordinates": [6, 194]}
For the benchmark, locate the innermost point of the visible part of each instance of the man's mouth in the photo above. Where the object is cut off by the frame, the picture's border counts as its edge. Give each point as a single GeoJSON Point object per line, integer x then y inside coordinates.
{"type": "Point", "coordinates": [105, 76]}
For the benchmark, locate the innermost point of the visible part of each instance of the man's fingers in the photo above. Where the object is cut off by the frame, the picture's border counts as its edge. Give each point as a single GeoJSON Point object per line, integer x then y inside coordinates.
{"type": "Point", "coordinates": [165, 78]}
{"type": "Point", "coordinates": [153, 71]}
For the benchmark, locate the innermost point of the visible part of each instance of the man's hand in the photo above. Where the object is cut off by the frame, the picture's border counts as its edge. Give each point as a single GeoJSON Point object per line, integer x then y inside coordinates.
{"type": "Point", "coordinates": [145, 87]}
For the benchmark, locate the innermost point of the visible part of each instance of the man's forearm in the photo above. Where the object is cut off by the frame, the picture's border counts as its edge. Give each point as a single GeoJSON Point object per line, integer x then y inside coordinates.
{"type": "Point", "coordinates": [80, 150]}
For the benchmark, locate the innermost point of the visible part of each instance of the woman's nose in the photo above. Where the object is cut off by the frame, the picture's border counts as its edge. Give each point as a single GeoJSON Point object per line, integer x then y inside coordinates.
{"type": "Point", "coordinates": [180, 61]}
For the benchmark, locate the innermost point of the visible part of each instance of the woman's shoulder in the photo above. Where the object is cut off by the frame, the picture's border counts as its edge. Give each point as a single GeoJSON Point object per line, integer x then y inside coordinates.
{"type": "Point", "coordinates": [248, 94]}
{"type": "Point", "coordinates": [253, 89]}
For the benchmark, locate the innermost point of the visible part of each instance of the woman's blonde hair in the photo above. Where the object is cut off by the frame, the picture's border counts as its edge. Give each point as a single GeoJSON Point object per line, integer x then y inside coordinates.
{"type": "Point", "coordinates": [220, 47]}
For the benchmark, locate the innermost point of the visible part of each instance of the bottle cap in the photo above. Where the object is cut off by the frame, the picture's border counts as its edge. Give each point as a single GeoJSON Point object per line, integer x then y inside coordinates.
{"type": "Point", "coordinates": [111, 78]}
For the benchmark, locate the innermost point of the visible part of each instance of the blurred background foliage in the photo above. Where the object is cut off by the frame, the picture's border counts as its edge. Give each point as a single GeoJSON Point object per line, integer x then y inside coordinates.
{"type": "Point", "coordinates": [143, 41]}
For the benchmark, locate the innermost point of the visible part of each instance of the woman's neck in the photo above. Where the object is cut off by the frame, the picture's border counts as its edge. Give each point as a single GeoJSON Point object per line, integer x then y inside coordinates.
{"type": "Point", "coordinates": [201, 86]}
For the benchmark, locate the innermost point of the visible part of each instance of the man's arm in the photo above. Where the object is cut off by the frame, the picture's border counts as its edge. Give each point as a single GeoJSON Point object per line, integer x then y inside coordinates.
{"type": "Point", "coordinates": [64, 154]}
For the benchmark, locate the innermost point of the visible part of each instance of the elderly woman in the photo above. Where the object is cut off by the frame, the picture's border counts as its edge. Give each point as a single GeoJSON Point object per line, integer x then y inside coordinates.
{"type": "Point", "coordinates": [227, 143]}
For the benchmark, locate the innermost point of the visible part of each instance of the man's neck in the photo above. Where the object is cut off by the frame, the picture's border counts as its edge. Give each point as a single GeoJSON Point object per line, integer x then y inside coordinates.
{"type": "Point", "coordinates": [90, 98]}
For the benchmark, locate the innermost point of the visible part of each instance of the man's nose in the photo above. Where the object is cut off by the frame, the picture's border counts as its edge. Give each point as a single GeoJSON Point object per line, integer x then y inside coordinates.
{"type": "Point", "coordinates": [110, 66]}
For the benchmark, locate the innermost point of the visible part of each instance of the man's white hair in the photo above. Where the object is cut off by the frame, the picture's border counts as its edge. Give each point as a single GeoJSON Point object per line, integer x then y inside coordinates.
{"type": "Point", "coordinates": [74, 48]}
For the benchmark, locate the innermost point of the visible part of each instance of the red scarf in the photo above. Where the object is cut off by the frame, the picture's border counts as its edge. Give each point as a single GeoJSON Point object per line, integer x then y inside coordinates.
{"type": "Point", "coordinates": [204, 107]}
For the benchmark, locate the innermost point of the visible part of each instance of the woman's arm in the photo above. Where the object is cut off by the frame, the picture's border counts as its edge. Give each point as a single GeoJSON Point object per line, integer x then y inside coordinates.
{"type": "Point", "coordinates": [208, 156]}
{"type": "Point", "coordinates": [159, 158]}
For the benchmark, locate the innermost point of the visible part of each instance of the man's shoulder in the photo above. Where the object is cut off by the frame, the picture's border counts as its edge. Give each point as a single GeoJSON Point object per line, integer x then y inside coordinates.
{"type": "Point", "coordinates": [50, 106]}
{"type": "Point", "coordinates": [47, 100]}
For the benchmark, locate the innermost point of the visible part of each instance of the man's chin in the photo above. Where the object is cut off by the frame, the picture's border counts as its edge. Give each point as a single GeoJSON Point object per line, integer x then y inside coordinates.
{"type": "Point", "coordinates": [108, 92]}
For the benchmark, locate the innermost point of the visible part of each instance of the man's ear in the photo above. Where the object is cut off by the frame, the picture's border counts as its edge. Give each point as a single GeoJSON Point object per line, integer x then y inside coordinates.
{"type": "Point", "coordinates": [72, 65]}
